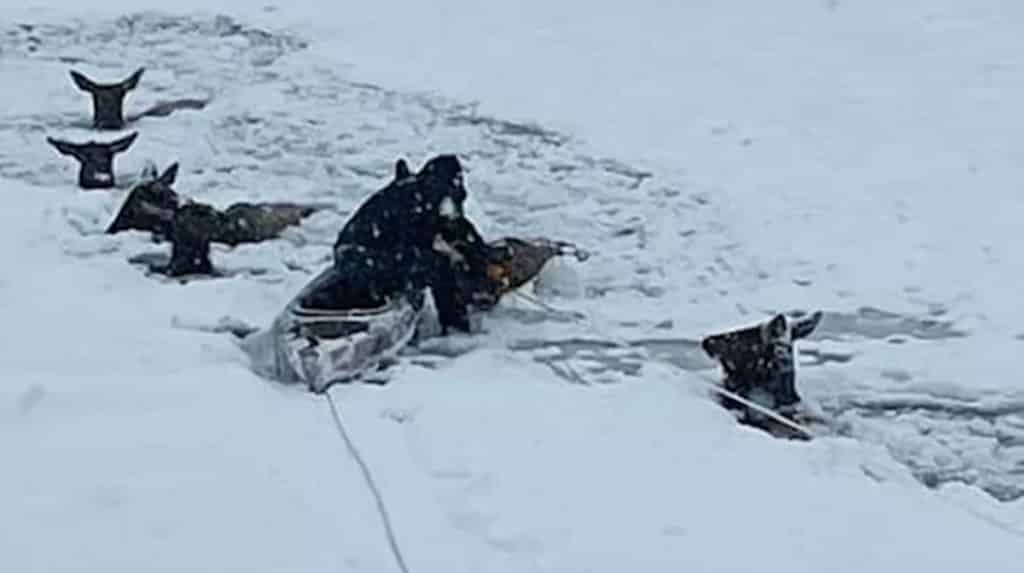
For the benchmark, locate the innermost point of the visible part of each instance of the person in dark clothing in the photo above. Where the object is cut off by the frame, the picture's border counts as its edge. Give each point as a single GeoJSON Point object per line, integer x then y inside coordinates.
{"type": "Point", "coordinates": [462, 272]}
{"type": "Point", "coordinates": [470, 270]}
{"type": "Point", "coordinates": [409, 237]}
{"type": "Point", "coordinates": [392, 246]}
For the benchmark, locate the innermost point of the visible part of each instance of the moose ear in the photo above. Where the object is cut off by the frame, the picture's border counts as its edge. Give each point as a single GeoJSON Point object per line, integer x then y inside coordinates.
{"type": "Point", "coordinates": [83, 83]}
{"type": "Point", "coordinates": [122, 144]}
{"type": "Point", "coordinates": [804, 327]}
{"type": "Point", "coordinates": [402, 170]}
{"type": "Point", "coordinates": [133, 81]}
{"type": "Point", "coordinates": [65, 147]}
{"type": "Point", "coordinates": [776, 328]}
{"type": "Point", "coordinates": [170, 175]}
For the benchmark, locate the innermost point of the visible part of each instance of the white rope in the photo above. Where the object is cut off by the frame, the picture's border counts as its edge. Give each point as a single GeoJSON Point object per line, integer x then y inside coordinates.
{"type": "Point", "coordinates": [370, 483]}
{"type": "Point", "coordinates": [759, 408]}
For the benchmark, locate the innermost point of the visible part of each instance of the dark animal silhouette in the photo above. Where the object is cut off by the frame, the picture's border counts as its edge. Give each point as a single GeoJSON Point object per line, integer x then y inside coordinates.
{"type": "Point", "coordinates": [257, 222]}
{"type": "Point", "coordinates": [150, 206]}
{"type": "Point", "coordinates": [402, 170]}
{"type": "Point", "coordinates": [513, 262]}
{"type": "Point", "coordinates": [493, 269]}
{"type": "Point", "coordinates": [108, 101]}
{"type": "Point", "coordinates": [96, 159]}
{"type": "Point", "coordinates": [193, 229]}
{"type": "Point", "coordinates": [389, 247]}
{"type": "Point", "coordinates": [193, 226]}
{"type": "Point", "coordinates": [154, 206]}
{"type": "Point", "coordinates": [758, 363]}
{"type": "Point", "coordinates": [166, 108]}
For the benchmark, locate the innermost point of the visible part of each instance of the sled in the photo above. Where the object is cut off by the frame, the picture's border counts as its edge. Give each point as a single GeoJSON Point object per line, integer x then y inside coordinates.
{"type": "Point", "coordinates": [320, 347]}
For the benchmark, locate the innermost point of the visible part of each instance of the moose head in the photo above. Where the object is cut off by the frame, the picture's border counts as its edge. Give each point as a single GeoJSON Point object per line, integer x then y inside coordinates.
{"type": "Point", "coordinates": [107, 99]}
{"type": "Point", "coordinates": [96, 159]}
{"type": "Point", "coordinates": [758, 361]}
{"type": "Point", "coordinates": [150, 206]}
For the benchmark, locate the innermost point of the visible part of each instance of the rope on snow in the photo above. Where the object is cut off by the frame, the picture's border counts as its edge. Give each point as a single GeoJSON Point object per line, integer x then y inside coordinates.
{"type": "Point", "coordinates": [371, 484]}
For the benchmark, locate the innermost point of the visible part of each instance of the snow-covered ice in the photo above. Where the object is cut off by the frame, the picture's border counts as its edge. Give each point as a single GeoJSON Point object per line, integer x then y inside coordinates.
{"type": "Point", "coordinates": [722, 161]}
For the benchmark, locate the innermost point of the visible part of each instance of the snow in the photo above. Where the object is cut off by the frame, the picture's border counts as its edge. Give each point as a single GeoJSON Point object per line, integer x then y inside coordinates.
{"type": "Point", "coordinates": [723, 161]}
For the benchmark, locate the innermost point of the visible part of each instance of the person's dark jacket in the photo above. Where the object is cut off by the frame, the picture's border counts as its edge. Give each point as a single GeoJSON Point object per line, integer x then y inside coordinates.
{"type": "Point", "coordinates": [393, 244]}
